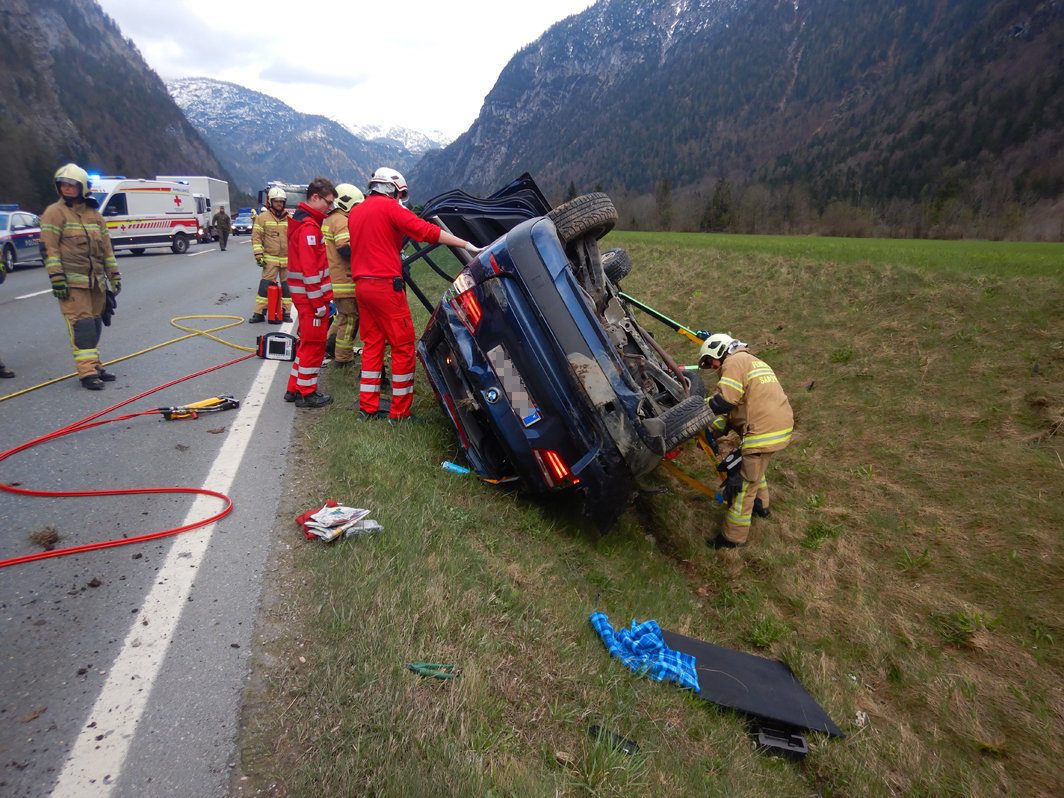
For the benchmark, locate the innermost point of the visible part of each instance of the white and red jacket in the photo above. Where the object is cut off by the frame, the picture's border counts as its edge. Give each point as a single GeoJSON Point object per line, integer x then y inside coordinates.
{"type": "Point", "coordinates": [308, 266]}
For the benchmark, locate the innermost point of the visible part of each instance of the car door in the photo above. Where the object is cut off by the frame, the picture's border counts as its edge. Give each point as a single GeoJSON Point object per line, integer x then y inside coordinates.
{"type": "Point", "coordinates": [26, 230]}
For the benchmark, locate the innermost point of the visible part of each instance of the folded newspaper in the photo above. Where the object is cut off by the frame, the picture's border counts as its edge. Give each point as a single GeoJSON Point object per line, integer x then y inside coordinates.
{"type": "Point", "coordinates": [334, 520]}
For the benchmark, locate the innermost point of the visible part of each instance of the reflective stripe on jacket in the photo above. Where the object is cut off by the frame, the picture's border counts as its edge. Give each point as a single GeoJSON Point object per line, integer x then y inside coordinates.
{"type": "Point", "coordinates": [269, 238]}
{"type": "Point", "coordinates": [336, 235]}
{"type": "Point", "coordinates": [308, 269]}
{"type": "Point", "coordinates": [76, 243]}
{"type": "Point", "coordinates": [762, 412]}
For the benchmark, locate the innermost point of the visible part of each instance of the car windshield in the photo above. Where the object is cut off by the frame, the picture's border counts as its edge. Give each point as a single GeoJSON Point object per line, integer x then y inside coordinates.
{"type": "Point", "coordinates": [4, 217]}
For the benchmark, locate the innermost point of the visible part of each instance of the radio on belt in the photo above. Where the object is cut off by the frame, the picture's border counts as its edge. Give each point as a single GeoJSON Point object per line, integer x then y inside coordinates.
{"type": "Point", "coordinates": [277, 346]}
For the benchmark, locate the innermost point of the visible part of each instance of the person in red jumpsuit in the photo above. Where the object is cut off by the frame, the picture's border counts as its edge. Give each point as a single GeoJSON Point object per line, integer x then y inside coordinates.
{"type": "Point", "coordinates": [311, 289]}
{"type": "Point", "coordinates": [377, 227]}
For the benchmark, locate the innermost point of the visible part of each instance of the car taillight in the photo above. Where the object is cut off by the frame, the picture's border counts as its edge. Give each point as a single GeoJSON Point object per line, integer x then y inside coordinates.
{"type": "Point", "coordinates": [468, 307]}
{"type": "Point", "coordinates": [555, 469]}
{"type": "Point", "coordinates": [465, 301]}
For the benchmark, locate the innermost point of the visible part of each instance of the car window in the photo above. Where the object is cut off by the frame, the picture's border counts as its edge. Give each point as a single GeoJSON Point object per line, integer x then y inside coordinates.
{"type": "Point", "coordinates": [23, 221]}
{"type": "Point", "coordinates": [4, 217]}
{"type": "Point", "coordinates": [116, 206]}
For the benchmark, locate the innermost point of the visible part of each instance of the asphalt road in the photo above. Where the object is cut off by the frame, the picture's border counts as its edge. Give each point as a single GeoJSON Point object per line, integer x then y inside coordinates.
{"type": "Point", "coordinates": [123, 668]}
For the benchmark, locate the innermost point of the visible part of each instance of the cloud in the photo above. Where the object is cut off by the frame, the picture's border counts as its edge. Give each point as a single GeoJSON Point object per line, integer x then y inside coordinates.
{"type": "Point", "coordinates": [311, 74]}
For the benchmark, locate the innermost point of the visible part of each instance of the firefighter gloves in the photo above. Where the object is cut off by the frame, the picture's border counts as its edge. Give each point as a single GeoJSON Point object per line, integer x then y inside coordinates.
{"type": "Point", "coordinates": [261, 262]}
{"type": "Point", "coordinates": [59, 286]}
{"type": "Point", "coordinates": [116, 285]}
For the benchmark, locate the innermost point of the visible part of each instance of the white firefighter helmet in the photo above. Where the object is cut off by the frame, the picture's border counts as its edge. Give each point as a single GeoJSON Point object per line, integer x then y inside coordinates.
{"type": "Point", "coordinates": [388, 181]}
{"type": "Point", "coordinates": [716, 347]}
{"type": "Point", "coordinates": [276, 193]}
{"type": "Point", "coordinates": [347, 197]}
{"type": "Point", "coordinates": [75, 175]}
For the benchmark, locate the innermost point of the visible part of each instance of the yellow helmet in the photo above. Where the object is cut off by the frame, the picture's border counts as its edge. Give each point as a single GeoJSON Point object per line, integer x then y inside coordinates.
{"type": "Point", "coordinates": [347, 197]}
{"type": "Point", "coordinates": [73, 174]}
{"type": "Point", "coordinates": [715, 347]}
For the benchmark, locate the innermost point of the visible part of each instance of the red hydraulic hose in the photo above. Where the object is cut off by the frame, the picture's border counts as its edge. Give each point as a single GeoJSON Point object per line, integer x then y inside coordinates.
{"type": "Point", "coordinates": [88, 423]}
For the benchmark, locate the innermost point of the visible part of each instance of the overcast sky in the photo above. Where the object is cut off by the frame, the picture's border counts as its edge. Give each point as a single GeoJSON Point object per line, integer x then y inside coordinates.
{"type": "Point", "coordinates": [419, 64]}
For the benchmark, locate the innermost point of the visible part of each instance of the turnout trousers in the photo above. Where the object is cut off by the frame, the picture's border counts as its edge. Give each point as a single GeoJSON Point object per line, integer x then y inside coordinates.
{"type": "Point", "coordinates": [384, 319]}
{"type": "Point", "coordinates": [82, 309]}
{"type": "Point", "coordinates": [310, 351]}
{"type": "Point", "coordinates": [344, 327]}
{"type": "Point", "coordinates": [271, 274]}
{"type": "Point", "coordinates": [737, 517]}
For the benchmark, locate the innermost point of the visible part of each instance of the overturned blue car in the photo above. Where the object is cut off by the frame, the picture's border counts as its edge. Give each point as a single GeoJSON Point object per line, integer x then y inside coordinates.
{"type": "Point", "coordinates": [537, 360]}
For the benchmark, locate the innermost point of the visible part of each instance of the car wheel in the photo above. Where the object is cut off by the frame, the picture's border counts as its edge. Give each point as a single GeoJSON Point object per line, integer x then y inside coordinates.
{"type": "Point", "coordinates": [180, 245]}
{"type": "Point", "coordinates": [9, 259]}
{"type": "Point", "coordinates": [137, 250]}
{"type": "Point", "coordinates": [695, 384]}
{"type": "Point", "coordinates": [685, 420]}
{"type": "Point", "coordinates": [616, 264]}
{"type": "Point", "coordinates": [591, 214]}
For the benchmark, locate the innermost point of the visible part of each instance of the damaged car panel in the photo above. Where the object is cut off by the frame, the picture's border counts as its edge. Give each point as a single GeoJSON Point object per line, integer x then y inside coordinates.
{"type": "Point", "coordinates": [545, 374]}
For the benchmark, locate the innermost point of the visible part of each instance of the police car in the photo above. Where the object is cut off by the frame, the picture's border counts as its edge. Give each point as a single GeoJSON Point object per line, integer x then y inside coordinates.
{"type": "Point", "coordinates": [20, 237]}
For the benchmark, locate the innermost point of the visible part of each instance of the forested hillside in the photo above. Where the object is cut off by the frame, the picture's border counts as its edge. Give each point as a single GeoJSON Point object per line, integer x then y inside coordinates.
{"type": "Point", "coordinates": [72, 89]}
{"type": "Point", "coordinates": [867, 116]}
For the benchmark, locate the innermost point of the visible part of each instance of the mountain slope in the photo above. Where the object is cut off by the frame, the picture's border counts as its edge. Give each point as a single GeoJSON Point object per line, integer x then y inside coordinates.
{"type": "Point", "coordinates": [852, 99]}
{"type": "Point", "coordinates": [98, 105]}
{"type": "Point", "coordinates": [261, 138]}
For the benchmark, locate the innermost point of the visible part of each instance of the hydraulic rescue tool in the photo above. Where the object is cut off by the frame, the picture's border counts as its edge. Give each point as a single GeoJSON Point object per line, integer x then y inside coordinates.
{"type": "Point", "coordinates": [215, 404]}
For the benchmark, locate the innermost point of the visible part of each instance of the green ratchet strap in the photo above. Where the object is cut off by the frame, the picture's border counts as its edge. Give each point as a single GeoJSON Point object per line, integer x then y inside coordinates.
{"type": "Point", "coordinates": [433, 669]}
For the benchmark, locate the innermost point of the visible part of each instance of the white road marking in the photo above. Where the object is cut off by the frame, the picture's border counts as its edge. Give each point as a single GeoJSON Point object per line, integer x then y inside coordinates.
{"type": "Point", "coordinates": [95, 762]}
{"type": "Point", "coordinates": [199, 252]}
{"type": "Point", "coordinates": [35, 293]}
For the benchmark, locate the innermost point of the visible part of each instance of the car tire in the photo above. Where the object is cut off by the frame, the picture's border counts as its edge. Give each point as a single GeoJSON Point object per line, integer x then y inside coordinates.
{"type": "Point", "coordinates": [180, 245]}
{"type": "Point", "coordinates": [589, 215]}
{"type": "Point", "coordinates": [685, 420]}
{"type": "Point", "coordinates": [616, 264]}
{"type": "Point", "coordinates": [137, 251]}
{"type": "Point", "coordinates": [9, 262]}
{"type": "Point", "coordinates": [695, 384]}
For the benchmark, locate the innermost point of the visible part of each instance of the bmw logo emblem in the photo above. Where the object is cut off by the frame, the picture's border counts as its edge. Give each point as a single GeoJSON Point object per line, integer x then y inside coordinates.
{"type": "Point", "coordinates": [492, 395]}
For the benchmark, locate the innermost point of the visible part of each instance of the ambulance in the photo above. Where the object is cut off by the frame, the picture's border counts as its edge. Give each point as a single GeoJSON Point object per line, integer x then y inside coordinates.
{"type": "Point", "coordinates": [147, 213]}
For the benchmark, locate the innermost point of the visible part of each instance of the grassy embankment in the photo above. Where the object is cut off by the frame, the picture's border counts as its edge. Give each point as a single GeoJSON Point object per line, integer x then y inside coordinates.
{"type": "Point", "coordinates": [910, 575]}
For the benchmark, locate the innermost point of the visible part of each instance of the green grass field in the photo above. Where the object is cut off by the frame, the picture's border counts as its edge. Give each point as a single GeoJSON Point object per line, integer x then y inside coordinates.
{"type": "Point", "coordinates": [911, 574]}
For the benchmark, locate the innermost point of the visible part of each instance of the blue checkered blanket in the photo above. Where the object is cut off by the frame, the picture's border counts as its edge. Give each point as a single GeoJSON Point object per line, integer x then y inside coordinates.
{"type": "Point", "coordinates": [642, 649]}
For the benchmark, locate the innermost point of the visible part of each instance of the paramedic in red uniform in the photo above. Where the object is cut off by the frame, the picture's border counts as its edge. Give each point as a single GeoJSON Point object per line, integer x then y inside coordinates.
{"type": "Point", "coordinates": [377, 228]}
{"type": "Point", "coordinates": [308, 281]}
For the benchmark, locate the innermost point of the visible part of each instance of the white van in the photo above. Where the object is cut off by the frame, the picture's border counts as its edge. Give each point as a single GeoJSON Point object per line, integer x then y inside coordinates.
{"type": "Point", "coordinates": [147, 213]}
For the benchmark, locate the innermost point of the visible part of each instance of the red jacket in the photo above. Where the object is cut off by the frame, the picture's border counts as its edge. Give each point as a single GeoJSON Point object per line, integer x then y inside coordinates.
{"type": "Point", "coordinates": [308, 267]}
{"type": "Point", "coordinates": [377, 227]}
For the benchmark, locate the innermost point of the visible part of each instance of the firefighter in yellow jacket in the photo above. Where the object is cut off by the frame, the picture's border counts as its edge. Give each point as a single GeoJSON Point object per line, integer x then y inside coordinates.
{"type": "Point", "coordinates": [338, 252]}
{"type": "Point", "coordinates": [751, 401]}
{"type": "Point", "coordinates": [80, 262]}
{"type": "Point", "coordinates": [269, 244]}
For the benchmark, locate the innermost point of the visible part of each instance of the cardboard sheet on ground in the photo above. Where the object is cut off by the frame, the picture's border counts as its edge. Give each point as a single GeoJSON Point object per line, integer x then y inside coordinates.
{"type": "Point", "coordinates": [751, 684]}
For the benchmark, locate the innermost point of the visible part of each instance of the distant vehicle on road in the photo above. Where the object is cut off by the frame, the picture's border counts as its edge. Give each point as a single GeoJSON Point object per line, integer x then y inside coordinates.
{"type": "Point", "coordinates": [242, 224]}
{"type": "Point", "coordinates": [147, 213]}
{"type": "Point", "coordinates": [211, 193]}
{"type": "Point", "coordinates": [20, 238]}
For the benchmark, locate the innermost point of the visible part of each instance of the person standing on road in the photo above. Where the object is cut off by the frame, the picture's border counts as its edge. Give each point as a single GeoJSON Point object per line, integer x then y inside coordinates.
{"type": "Point", "coordinates": [79, 261]}
{"type": "Point", "coordinates": [338, 251]}
{"type": "Point", "coordinates": [5, 372]}
{"type": "Point", "coordinates": [377, 227]}
{"type": "Point", "coordinates": [751, 401]}
{"type": "Point", "coordinates": [269, 245]}
{"type": "Point", "coordinates": [223, 225]}
{"type": "Point", "coordinates": [308, 279]}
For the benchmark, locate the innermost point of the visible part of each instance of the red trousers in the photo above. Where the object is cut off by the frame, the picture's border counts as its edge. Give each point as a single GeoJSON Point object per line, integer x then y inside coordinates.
{"type": "Point", "coordinates": [310, 351]}
{"type": "Point", "coordinates": [384, 319]}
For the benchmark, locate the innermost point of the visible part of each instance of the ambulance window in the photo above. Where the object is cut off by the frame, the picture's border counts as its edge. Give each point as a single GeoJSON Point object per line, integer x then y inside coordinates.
{"type": "Point", "coordinates": [116, 206]}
